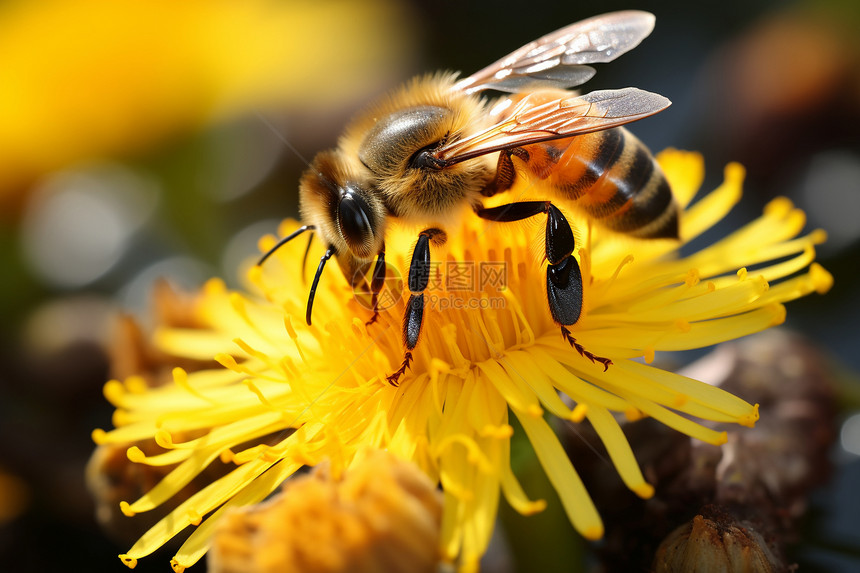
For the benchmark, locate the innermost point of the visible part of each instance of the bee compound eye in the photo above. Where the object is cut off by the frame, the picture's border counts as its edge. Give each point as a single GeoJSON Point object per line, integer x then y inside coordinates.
{"type": "Point", "coordinates": [354, 220]}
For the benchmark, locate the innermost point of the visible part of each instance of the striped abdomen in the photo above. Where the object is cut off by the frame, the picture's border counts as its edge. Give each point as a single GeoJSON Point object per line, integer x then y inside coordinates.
{"type": "Point", "coordinates": [613, 178]}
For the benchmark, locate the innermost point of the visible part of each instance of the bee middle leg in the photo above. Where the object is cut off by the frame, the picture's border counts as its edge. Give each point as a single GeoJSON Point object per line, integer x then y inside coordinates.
{"type": "Point", "coordinates": [418, 279]}
{"type": "Point", "coordinates": [563, 276]}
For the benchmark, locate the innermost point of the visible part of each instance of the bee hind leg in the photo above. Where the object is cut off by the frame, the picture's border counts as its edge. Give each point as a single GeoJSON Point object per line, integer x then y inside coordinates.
{"type": "Point", "coordinates": [565, 332]}
{"type": "Point", "coordinates": [505, 173]}
{"type": "Point", "coordinates": [563, 276]}
{"type": "Point", "coordinates": [418, 279]}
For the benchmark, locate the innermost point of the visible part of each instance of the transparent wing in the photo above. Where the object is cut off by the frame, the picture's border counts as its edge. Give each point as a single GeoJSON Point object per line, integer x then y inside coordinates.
{"type": "Point", "coordinates": [560, 59]}
{"type": "Point", "coordinates": [533, 119]}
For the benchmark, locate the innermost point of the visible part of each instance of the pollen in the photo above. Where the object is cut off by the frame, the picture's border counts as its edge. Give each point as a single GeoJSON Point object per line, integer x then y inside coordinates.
{"type": "Point", "coordinates": [821, 279]}
{"type": "Point", "coordinates": [593, 533]}
{"type": "Point", "coordinates": [644, 491]}
{"type": "Point", "coordinates": [135, 454]}
{"type": "Point", "coordinates": [633, 414]}
{"type": "Point", "coordinates": [126, 509]}
{"type": "Point", "coordinates": [578, 413]}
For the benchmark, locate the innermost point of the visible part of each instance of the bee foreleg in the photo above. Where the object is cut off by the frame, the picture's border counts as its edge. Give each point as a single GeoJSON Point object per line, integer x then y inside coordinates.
{"type": "Point", "coordinates": [376, 283]}
{"type": "Point", "coordinates": [419, 278]}
{"type": "Point", "coordinates": [328, 254]}
{"type": "Point", "coordinates": [563, 277]}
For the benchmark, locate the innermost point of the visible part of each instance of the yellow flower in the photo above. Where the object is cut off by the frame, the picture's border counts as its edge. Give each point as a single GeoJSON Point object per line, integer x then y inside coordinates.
{"type": "Point", "coordinates": [485, 353]}
{"type": "Point", "coordinates": [382, 515]}
{"type": "Point", "coordinates": [85, 78]}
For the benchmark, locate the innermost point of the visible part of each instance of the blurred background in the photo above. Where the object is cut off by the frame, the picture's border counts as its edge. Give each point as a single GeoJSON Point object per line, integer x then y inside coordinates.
{"type": "Point", "coordinates": [162, 139]}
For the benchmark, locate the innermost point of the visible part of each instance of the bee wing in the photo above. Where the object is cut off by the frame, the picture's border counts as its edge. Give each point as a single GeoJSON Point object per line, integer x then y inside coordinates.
{"type": "Point", "coordinates": [533, 120]}
{"type": "Point", "coordinates": [559, 59]}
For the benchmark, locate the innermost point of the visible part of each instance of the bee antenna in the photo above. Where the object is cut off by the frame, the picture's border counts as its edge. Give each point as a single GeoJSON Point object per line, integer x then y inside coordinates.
{"type": "Point", "coordinates": [329, 252]}
{"type": "Point", "coordinates": [286, 240]}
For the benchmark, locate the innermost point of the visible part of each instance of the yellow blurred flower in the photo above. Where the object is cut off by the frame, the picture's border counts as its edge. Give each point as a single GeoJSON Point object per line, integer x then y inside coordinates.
{"type": "Point", "coordinates": [475, 365]}
{"type": "Point", "coordinates": [85, 78]}
{"type": "Point", "coordinates": [384, 514]}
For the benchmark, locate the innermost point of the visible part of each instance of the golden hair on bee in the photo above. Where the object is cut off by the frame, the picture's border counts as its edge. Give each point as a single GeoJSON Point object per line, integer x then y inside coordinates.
{"type": "Point", "coordinates": [425, 113]}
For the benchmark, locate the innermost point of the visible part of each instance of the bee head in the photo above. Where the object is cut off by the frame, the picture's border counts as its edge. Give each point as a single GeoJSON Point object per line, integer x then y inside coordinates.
{"type": "Point", "coordinates": [343, 207]}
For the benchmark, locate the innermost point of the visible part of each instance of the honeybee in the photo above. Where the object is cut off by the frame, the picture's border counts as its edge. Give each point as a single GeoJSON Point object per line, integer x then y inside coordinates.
{"type": "Point", "coordinates": [435, 145]}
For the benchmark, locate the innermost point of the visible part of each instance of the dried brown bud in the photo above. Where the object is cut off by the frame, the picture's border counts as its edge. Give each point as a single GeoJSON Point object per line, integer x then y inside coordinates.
{"type": "Point", "coordinates": [761, 476]}
{"type": "Point", "coordinates": [715, 544]}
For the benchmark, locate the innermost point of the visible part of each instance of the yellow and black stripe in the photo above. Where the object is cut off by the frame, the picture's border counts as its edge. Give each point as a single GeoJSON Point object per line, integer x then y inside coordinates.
{"type": "Point", "coordinates": [614, 179]}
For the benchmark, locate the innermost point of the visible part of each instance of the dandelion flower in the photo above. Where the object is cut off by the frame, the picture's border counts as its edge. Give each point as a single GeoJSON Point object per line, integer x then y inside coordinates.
{"type": "Point", "coordinates": [488, 351]}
